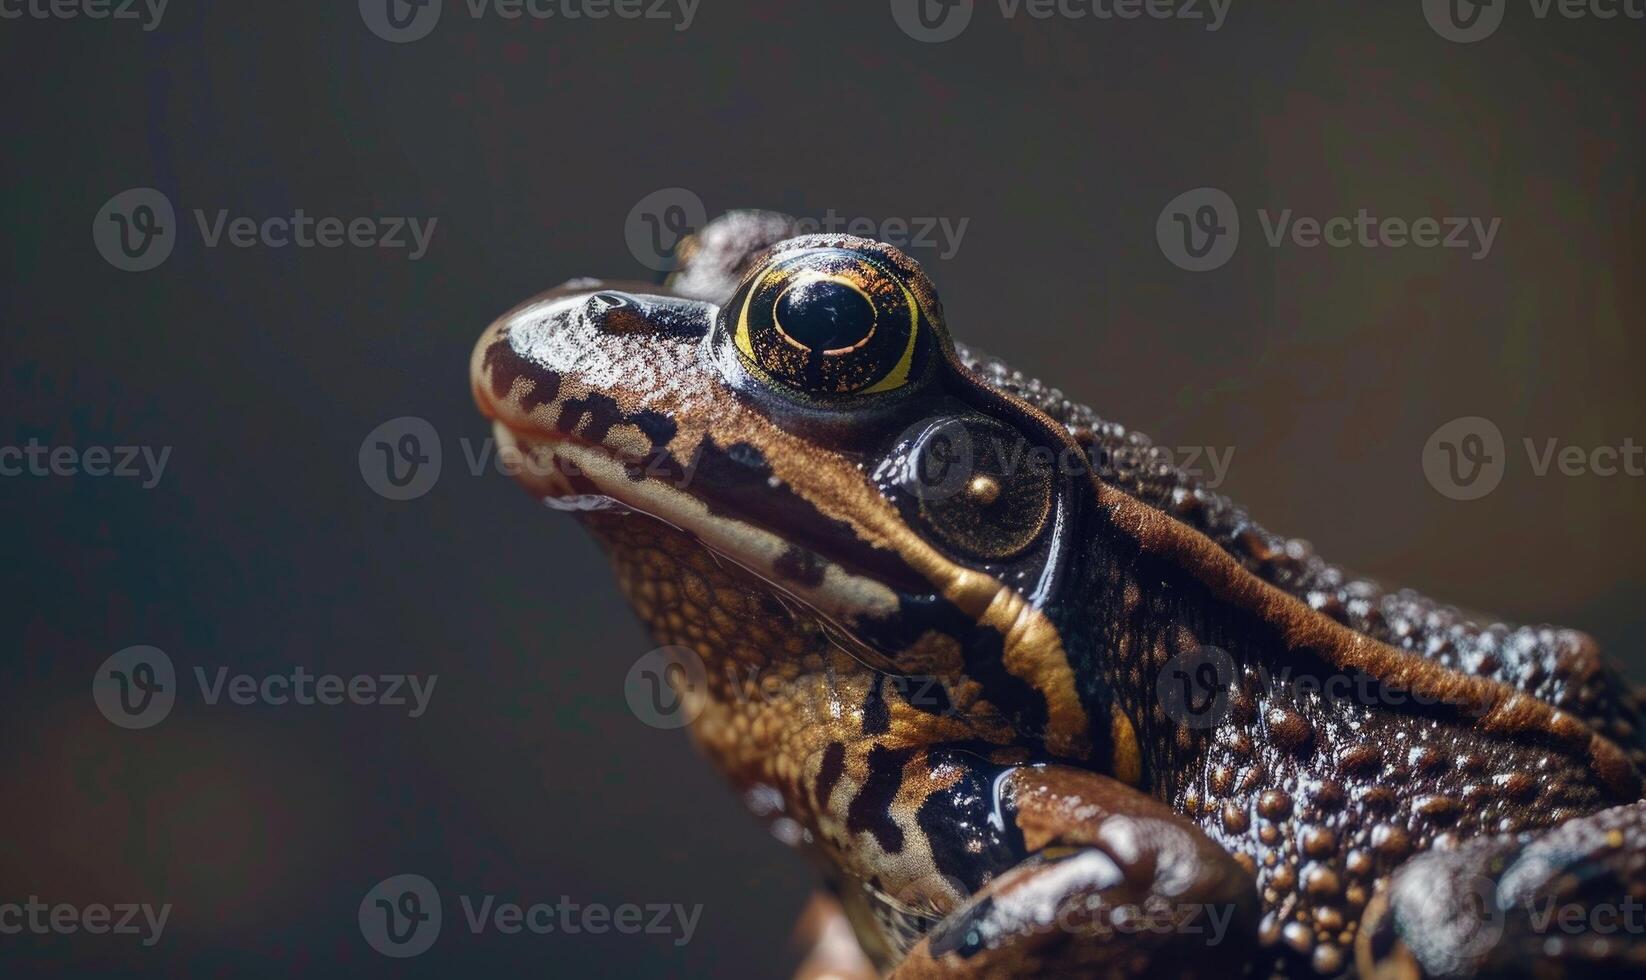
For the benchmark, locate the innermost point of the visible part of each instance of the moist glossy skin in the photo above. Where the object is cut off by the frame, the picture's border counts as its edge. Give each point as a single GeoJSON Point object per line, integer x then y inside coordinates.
{"type": "Point", "coordinates": [1021, 687]}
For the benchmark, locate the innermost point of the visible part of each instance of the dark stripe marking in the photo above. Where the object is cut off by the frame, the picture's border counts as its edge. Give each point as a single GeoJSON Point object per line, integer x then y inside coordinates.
{"type": "Point", "coordinates": [870, 809]}
{"type": "Point", "coordinates": [829, 773]}
{"type": "Point", "coordinates": [877, 717]}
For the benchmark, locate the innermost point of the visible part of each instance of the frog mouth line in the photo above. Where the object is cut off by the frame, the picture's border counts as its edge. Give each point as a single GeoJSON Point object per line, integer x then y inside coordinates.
{"type": "Point", "coordinates": [573, 473]}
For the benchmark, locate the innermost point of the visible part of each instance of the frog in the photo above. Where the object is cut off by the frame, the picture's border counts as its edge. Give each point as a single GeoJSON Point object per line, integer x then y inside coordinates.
{"type": "Point", "coordinates": [1034, 699]}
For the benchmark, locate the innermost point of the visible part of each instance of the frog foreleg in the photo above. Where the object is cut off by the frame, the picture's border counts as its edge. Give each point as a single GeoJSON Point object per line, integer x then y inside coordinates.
{"type": "Point", "coordinates": [1114, 884]}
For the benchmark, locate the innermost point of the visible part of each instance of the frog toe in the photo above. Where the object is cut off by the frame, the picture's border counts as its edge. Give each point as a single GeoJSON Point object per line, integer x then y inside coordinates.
{"type": "Point", "coordinates": [1562, 902]}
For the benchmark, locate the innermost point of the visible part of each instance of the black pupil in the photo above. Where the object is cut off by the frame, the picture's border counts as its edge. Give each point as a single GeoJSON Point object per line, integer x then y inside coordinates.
{"type": "Point", "coordinates": [825, 315]}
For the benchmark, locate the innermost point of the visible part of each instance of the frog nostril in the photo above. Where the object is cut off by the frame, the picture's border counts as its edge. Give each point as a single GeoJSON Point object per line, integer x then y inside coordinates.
{"type": "Point", "coordinates": [608, 299]}
{"type": "Point", "coordinates": [613, 312]}
{"type": "Point", "coordinates": [618, 313]}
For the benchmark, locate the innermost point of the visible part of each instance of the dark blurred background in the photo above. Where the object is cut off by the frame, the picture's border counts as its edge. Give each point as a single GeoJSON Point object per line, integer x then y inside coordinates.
{"type": "Point", "coordinates": [530, 143]}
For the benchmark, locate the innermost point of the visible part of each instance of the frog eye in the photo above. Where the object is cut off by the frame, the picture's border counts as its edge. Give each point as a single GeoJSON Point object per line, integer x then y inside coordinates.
{"type": "Point", "coordinates": [977, 488]}
{"type": "Point", "coordinates": [828, 321]}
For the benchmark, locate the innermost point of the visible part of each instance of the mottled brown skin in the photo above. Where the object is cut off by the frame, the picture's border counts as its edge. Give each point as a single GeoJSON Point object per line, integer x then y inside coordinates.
{"type": "Point", "coordinates": [962, 708]}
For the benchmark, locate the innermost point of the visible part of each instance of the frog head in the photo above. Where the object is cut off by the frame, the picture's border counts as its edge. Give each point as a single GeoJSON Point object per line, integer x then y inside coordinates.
{"type": "Point", "coordinates": [817, 428]}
